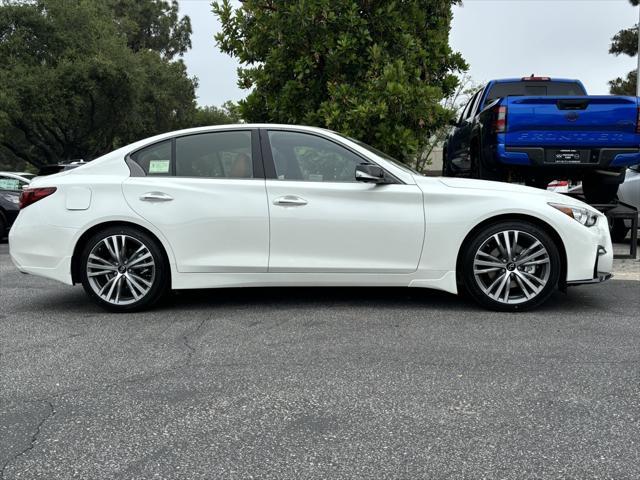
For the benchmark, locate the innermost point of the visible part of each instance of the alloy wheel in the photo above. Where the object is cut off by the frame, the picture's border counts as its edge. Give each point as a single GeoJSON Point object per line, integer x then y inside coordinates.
{"type": "Point", "coordinates": [121, 269]}
{"type": "Point", "coordinates": [512, 267]}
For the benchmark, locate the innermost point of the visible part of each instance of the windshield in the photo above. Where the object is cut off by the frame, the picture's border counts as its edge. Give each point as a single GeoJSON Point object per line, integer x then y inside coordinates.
{"type": "Point", "coordinates": [381, 154]}
{"type": "Point", "coordinates": [530, 88]}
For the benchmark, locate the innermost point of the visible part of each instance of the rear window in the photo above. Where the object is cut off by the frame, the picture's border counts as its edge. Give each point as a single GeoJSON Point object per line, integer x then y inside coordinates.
{"type": "Point", "coordinates": [535, 89]}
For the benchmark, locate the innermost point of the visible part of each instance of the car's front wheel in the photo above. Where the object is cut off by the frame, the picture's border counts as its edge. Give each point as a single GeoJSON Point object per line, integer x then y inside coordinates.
{"type": "Point", "coordinates": [511, 266]}
{"type": "Point", "coordinates": [123, 269]}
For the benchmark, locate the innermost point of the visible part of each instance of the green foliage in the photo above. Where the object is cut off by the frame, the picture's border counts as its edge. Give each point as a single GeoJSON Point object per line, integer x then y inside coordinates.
{"type": "Point", "coordinates": [71, 86]}
{"type": "Point", "coordinates": [376, 71]}
{"type": "Point", "coordinates": [625, 86]}
{"type": "Point", "coordinates": [154, 25]}
{"type": "Point", "coordinates": [625, 42]}
{"type": "Point", "coordinates": [205, 116]}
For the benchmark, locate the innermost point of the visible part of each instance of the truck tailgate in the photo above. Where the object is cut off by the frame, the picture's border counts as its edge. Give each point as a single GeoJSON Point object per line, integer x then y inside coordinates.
{"type": "Point", "coordinates": [589, 121]}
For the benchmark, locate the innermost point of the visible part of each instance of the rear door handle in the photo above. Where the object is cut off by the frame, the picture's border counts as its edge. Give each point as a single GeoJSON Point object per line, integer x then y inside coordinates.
{"type": "Point", "coordinates": [290, 201]}
{"type": "Point", "coordinates": [156, 197]}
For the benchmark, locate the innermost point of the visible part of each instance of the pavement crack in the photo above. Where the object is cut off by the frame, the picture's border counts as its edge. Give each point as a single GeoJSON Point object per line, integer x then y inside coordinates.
{"type": "Point", "coordinates": [186, 340]}
{"type": "Point", "coordinates": [34, 438]}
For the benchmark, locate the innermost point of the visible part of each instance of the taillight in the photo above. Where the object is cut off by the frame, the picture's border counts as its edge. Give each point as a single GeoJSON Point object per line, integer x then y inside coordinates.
{"type": "Point", "coordinates": [500, 120]}
{"type": "Point", "coordinates": [32, 195]}
{"type": "Point", "coordinates": [638, 121]}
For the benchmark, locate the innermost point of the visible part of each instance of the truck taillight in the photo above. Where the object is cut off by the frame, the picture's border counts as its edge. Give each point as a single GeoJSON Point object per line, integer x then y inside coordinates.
{"type": "Point", "coordinates": [500, 120]}
{"type": "Point", "coordinates": [638, 121]}
{"type": "Point", "coordinates": [32, 195]}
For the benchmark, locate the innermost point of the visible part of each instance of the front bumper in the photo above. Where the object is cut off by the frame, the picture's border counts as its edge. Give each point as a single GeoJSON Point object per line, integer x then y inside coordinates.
{"type": "Point", "coordinates": [601, 277]}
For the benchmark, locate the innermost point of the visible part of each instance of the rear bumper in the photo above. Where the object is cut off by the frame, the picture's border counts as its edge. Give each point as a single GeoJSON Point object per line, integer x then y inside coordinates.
{"type": "Point", "coordinates": [34, 252]}
{"type": "Point", "coordinates": [591, 158]}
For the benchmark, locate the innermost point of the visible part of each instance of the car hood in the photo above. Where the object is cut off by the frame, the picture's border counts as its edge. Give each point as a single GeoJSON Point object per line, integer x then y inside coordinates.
{"type": "Point", "coordinates": [505, 190]}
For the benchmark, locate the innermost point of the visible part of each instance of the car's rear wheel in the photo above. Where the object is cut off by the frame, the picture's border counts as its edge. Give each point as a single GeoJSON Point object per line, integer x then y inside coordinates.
{"type": "Point", "coordinates": [511, 266]}
{"type": "Point", "coordinates": [123, 269]}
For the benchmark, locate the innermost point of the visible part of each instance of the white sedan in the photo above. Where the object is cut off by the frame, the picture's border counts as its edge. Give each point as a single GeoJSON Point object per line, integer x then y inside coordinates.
{"type": "Point", "coordinates": [267, 205]}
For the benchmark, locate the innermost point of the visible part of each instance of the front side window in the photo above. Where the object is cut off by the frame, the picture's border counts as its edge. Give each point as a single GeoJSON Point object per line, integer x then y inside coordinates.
{"type": "Point", "coordinates": [300, 156]}
{"type": "Point", "coordinates": [155, 159]}
{"type": "Point", "coordinates": [215, 155]}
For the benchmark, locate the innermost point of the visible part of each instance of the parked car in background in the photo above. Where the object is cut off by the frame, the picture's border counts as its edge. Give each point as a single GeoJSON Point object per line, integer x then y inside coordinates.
{"type": "Point", "coordinates": [9, 208]}
{"type": "Point", "coordinates": [15, 180]}
{"type": "Point", "coordinates": [59, 167]}
{"type": "Point", "coordinates": [280, 205]}
{"type": "Point", "coordinates": [537, 129]}
{"type": "Point", "coordinates": [629, 193]}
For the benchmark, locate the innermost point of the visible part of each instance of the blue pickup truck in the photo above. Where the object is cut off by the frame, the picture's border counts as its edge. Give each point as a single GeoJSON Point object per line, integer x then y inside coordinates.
{"type": "Point", "coordinates": [538, 129]}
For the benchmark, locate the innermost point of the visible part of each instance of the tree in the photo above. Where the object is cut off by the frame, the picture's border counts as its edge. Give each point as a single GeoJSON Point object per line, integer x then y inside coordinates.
{"type": "Point", "coordinates": [376, 71]}
{"type": "Point", "coordinates": [625, 42]}
{"type": "Point", "coordinates": [226, 114]}
{"type": "Point", "coordinates": [68, 92]}
{"type": "Point", "coordinates": [154, 25]}
{"type": "Point", "coordinates": [454, 104]}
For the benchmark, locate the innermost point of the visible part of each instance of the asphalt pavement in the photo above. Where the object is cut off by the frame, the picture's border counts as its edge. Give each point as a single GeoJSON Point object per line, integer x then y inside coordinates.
{"type": "Point", "coordinates": [318, 383]}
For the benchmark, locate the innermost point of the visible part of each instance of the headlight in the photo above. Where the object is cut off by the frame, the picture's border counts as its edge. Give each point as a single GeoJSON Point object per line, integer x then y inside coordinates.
{"type": "Point", "coordinates": [582, 215]}
{"type": "Point", "coordinates": [10, 198]}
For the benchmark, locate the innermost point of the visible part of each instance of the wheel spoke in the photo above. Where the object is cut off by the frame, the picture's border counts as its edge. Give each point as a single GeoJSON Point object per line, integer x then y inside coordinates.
{"type": "Point", "coordinates": [489, 256]}
{"type": "Point", "coordinates": [522, 287]}
{"type": "Point", "coordinates": [484, 263]}
{"type": "Point", "coordinates": [505, 279]}
{"type": "Point", "coordinates": [528, 283]}
{"type": "Point", "coordinates": [139, 259]}
{"type": "Point", "coordinates": [503, 252]}
{"type": "Point", "coordinates": [532, 256]}
{"type": "Point", "coordinates": [507, 245]}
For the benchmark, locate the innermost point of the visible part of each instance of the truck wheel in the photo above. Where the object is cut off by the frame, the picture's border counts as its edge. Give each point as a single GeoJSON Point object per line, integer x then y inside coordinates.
{"type": "Point", "coordinates": [537, 182]}
{"type": "Point", "coordinates": [599, 189]}
{"type": "Point", "coordinates": [446, 167]}
{"type": "Point", "coordinates": [619, 230]}
{"type": "Point", "coordinates": [481, 171]}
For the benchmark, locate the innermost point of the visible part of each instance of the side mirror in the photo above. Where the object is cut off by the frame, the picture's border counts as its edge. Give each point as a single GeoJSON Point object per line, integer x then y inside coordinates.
{"type": "Point", "coordinates": [370, 174]}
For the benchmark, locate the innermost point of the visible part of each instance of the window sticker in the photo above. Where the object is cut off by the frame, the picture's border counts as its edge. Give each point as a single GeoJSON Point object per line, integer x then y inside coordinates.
{"type": "Point", "coordinates": [159, 166]}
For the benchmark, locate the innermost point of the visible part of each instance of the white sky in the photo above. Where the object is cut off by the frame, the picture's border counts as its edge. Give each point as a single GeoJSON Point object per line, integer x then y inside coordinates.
{"type": "Point", "coordinates": [498, 38]}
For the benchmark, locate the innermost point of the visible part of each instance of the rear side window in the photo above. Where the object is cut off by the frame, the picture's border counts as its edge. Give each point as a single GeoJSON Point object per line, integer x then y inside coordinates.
{"type": "Point", "coordinates": [535, 89]}
{"type": "Point", "coordinates": [155, 159]}
{"type": "Point", "coordinates": [215, 155]}
{"type": "Point", "coordinates": [204, 155]}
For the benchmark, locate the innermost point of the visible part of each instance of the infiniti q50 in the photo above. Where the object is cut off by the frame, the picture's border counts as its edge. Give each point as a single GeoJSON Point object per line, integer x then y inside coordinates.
{"type": "Point", "coordinates": [266, 205]}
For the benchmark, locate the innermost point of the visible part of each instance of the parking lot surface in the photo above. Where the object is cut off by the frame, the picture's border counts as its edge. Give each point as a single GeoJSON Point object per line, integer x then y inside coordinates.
{"type": "Point", "coordinates": [318, 383]}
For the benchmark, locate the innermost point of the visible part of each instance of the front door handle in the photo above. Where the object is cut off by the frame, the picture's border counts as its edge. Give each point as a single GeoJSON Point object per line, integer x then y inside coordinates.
{"type": "Point", "coordinates": [290, 201]}
{"type": "Point", "coordinates": [156, 197]}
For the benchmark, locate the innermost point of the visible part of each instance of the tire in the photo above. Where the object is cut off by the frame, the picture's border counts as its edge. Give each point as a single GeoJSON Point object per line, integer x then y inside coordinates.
{"type": "Point", "coordinates": [3, 227]}
{"type": "Point", "coordinates": [128, 271]}
{"type": "Point", "coordinates": [481, 171]}
{"type": "Point", "coordinates": [597, 190]}
{"type": "Point", "coordinates": [526, 285]}
{"type": "Point", "coordinates": [619, 230]}
{"type": "Point", "coordinates": [537, 182]}
{"type": "Point", "coordinates": [446, 167]}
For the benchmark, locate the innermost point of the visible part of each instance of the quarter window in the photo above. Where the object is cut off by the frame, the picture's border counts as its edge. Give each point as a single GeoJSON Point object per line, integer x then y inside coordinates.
{"type": "Point", "coordinates": [300, 156]}
{"type": "Point", "coordinates": [155, 159]}
{"type": "Point", "coordinates": [215, 155]}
